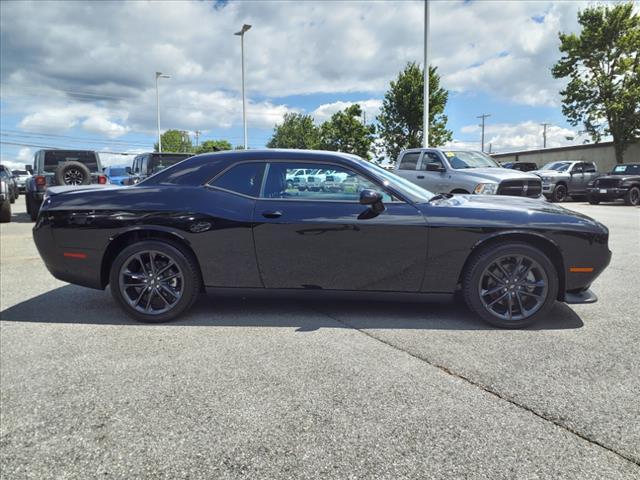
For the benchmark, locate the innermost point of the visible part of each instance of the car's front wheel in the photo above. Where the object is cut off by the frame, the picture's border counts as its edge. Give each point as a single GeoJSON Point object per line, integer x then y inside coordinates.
{"type": "Point", "coordinates": [559, 194]}
{"type": "Point", "coordinates": [632, 197]}
{"type": "Point", "coordinates": [5, 212]}
{"type": "Point", "coordinates": [154, 281]}
{"type": "Point", "coordinates": [510, 285]}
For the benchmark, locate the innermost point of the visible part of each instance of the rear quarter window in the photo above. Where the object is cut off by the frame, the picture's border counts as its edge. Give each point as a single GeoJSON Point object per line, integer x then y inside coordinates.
{"type": "Point", "coordinates": [244, 179]}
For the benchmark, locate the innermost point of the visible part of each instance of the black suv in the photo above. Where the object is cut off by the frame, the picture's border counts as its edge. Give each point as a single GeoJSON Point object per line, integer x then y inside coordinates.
{"type": "Point", "coordinates": [146, 164]}
{"type": "Point", "coordinates": [622, 182]}
{"type": "Point", "coordinates": [60, 167]}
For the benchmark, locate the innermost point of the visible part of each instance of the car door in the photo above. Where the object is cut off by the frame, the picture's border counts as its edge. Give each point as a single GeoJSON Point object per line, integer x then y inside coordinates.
{"type": "Point", "coordinates": [326, 239]}
{"type": "Point", "coordinates": [578, 183]}
{"type": "Point", "coordinates": [434, 181]}
{"type": "Point", "coordinates": [408, 168]}
{"type": "Point", "coordinates": [590, 173]}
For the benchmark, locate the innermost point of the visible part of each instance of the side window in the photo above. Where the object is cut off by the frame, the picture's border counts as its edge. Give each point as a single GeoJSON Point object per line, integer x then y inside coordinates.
{"type": "Point", "coordinates": [245, 179]}
{"type": "Point", "coordinates": [409, 161]}
{"type": "Point", "coordinates": [589, 167]}
{"type": "Point", "coordinates": [430, 157]}
{"type": "Point", "coordinates": [577, 168]}
{"type": "Point", "coordinates": [322, 182]}
{"type": "Point", "coordinates": [142, 165]}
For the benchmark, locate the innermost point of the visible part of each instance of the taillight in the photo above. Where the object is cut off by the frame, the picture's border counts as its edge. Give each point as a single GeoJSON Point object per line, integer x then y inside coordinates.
{"type": "Point", "coordinates": [102, 179]}
{"type": "Point", "coordinates": [40, 181]}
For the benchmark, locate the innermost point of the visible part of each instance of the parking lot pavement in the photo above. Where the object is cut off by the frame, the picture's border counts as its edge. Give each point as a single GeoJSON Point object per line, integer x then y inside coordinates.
{"type": "Point", "coordinates": [290, 389]}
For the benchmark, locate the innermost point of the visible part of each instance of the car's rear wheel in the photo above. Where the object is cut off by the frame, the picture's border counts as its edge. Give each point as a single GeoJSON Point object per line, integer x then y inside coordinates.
{"type": "Point", "coordinates": [33, 207]}
{"type": "Point", "coordinates": [154, 281]}
{"type": "Point", "coordinates": [559, 194]}
{"type": "Point", "coordinates": [510, 285]}
{"type": "Point", "coordinates": [632, 197]}
{"type": "Point", "coordinates": [5, 212]}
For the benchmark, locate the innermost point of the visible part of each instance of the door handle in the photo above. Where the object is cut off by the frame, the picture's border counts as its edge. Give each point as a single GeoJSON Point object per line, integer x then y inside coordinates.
{"type": "Point", "coordinates": [421, 177]}
{"type": "Point", "coordinates": [272, 214]}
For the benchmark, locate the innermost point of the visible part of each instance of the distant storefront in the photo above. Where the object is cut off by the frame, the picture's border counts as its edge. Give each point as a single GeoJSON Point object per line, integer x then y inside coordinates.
{"type": "Point", "coordinates": [600, 153]}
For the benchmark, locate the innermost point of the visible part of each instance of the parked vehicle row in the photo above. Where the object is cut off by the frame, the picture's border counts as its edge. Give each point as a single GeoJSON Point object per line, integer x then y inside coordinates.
{"type": "Point", "coordinates": [12, 184]}
{"type": "Point", "coordinates": [228, 222]}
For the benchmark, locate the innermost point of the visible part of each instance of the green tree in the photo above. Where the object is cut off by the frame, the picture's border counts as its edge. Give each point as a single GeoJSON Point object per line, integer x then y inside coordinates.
{"type": "Point", "coordinates": [400, 123]}
{"type": "Point", "coordinates": [213, 146]}
{"type": "Point", "coordinates": [344, 132]}
{"type": "Point", "coordinates": [602, 63]}
{"type": "Point", "coordinates": [296, 131]}
{"type": "Point", "coordinates": [177, 141]}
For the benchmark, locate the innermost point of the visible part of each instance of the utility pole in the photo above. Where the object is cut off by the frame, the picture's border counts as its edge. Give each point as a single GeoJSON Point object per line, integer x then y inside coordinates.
{"type": "Point", "coordinates": [197, 134]}
{"type": "Point", "coordinates": [241, 33]}
{"type": "Point", "coordinates": [483, 116]}
{"type": "Point", "coordinates": [425, 120]}
{"type": "Point", "coordinates": [544, 134]}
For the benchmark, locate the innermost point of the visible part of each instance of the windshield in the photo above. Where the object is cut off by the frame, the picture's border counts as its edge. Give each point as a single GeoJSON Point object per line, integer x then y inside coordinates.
{"type": "Point", "coordinates": [160, 162]}
{"type": "Point", "coordinates": [632, 169]}
{"type": "Point", "coordinates": [411, 190]}
{"type": "Point", "coordinates": [54, 158]}
{"type": "Point", "coordinates": [557, 166]}
{"type": "Point", "coordinates": [117, 171]}
{"type": "Point", "coordinates": [459, 160]}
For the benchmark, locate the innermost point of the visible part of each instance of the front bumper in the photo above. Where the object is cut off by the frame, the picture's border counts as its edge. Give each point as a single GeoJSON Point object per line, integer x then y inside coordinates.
{"type": "Point", "coordinates": [585, 296]}
{"type": "Point", "coordinates": [606, 193]}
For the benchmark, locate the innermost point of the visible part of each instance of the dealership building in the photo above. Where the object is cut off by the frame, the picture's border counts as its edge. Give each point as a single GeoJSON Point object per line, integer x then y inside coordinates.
{"type": "Point", "coordinates": [602, 154]}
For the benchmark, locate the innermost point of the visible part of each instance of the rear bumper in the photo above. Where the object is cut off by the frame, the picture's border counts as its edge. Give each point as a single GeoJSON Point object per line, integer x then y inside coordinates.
{"type": "Point", "coordinates": [586, 296]}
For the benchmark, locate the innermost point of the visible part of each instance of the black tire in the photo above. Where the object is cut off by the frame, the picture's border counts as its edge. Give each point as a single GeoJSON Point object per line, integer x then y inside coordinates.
{"type": "Point", "coordinates": [593, 201]}
{"type": "Point", "coordinates": [559, 194]}
{"type": "Point", "coordinates": [12, 197]}
{"type": "Point", "coordinates": [33, 207]}
{"type": "Point", "coordinates": [72, 173]}
{"type": "Point", "coordinates": [188, 282]}
{"type": "Point", "coordinates": [632, 197]}
{"type": "Point", "coordinates": [5, 212]}
{"type": "Point", "coordinates": [536, 291]}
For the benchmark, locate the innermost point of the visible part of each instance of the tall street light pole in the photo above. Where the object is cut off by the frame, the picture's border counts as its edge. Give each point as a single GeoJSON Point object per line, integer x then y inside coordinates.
{"type": "Point", "coordinates": [159, 75]}
{"type": "Point", "coordinates": [241, 33]}
{"type": "Point", "coordinates": [425, 120]}
{"type": "Point", "coordinates": [483, 116]}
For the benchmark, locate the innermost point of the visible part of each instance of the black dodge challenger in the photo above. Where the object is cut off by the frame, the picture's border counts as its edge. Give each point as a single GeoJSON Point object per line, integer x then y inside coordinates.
{"type": "Point", "coordinates": [237, 222]}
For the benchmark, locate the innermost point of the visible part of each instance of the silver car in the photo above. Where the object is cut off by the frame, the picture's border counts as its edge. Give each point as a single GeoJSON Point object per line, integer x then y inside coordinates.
{"type": "Point", "coordinates": [464, 171]}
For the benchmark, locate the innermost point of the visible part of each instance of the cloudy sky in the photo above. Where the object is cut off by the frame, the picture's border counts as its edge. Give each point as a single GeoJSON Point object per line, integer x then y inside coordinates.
{"type": "Point", "coordinates": [81, 74]}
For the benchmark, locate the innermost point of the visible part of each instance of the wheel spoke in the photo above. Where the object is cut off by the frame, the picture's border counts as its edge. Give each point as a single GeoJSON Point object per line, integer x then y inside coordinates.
{"type": "Point", "coordinates": [148, 304]}
{"type": "Point", "coordinates": [496, 278]}
{"type": "Point", "coordinates": [502, 270]}
{"type": "Point", "coordinates": [523, 275]}
{"type": "Point", "coordinates": [530, 294]}
{"type": "Point", "coordinates": [135, 304]}
{"type": "Point", "coordinates": [164, 288]}
{"type": "Point", "coordinates": [520, 305]}
{"type": "Point", "coordinates": [517, 267]}
{"type": "Point", "coordinates": [537, 284]}
{"type": "Point", "coordinates": [142, 264]}
{"type": "Point", "coordinates": [497, 300]}
{"type": "Point", "coordinates": [492, 291]}
{"type": "Point", "coordinates": [152, 263]}
{"type": "Point", "coordinates": [166, 267]}
{"type": "Point", "coordinates": [510, 305]}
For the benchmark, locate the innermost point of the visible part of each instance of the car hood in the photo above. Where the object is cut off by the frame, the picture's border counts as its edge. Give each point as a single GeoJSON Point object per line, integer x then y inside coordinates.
{"type": "Point", "coordinates": [622, 178]}
{"type": "Point", "coordinates": [506, 211]}
{"type": "Point", "coordinates": [496, 174]}
{"type": "Point", "coordinates": [548, 173]}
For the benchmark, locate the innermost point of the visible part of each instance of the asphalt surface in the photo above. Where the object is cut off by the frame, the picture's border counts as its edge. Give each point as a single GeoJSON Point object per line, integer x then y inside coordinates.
{"type": "Point", "coordinates": [244, 388]}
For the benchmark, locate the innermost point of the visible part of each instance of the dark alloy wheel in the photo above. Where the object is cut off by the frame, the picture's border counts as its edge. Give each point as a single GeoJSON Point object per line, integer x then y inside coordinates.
{"type": "Point", "coordinates": [632, 197]}
{"type": "Point", "coordinates": [154, 281]}
{"type": "Point", "coordinates": [559, 194]}
{"type": "Point", "coordinates": [510, 285]}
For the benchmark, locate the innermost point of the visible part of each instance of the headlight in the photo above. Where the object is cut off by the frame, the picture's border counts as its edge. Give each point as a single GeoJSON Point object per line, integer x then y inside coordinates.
{"type": "Point", "coordinates": [486, 188]}
{"type": "Point", "coordinates": [546, 179]}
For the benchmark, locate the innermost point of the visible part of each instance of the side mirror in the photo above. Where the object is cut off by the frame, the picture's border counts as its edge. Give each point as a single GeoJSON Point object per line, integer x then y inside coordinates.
{"type": "Point", "coordinates": [128, 170]}
{"type": "Point", "coordinates": [29, 168]}
{"type": "Point", "coordinates": [434, 167]}
{"type": "Point", "coordinates": [370, 197]}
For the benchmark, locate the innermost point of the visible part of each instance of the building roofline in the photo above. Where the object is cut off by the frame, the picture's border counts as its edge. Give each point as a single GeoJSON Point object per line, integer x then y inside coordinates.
{"type": "Point", "coordinates": [568, 148]}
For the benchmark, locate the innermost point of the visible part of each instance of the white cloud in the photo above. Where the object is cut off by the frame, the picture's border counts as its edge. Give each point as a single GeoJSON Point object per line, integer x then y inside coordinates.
{"type": "Point", "coordinates": [371, 107]}
{"type": "Point", "coordinates": [518, 136]}
{"type": "Point", "coordinates": [104, 126]}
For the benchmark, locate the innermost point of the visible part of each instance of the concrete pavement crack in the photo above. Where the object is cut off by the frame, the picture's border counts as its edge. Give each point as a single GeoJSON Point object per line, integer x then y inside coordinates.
{"type": "Point", "coordinates": [486, 389]}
